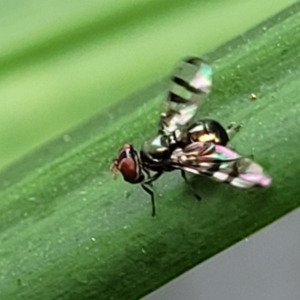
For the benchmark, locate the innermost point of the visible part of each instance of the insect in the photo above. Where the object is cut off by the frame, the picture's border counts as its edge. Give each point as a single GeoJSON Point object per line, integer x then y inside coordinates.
{"type": "Point", "coordinates": [198, 148]}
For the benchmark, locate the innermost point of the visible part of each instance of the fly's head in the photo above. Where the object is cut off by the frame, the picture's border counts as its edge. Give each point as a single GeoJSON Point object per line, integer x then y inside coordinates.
{"type": "Point", "coordinates": [128, 164]}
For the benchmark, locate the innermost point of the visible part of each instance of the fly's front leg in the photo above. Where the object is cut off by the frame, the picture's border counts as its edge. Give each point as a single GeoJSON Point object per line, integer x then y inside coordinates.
{"type": "Point", "coordinates": [232, 129]}
{"type": "Point", "coordinates": [148, 187]}
{"type": "Point", "coordinates": [198, 197]}
{"type": "Point", "coordinates": [153, 178]}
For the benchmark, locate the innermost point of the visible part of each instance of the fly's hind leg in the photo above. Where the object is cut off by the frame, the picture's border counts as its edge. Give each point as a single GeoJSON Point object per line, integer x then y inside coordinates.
{"type": "Point", "coordinates": [232, 129]}
{"type": "Point", "coordinates": [198, 197]}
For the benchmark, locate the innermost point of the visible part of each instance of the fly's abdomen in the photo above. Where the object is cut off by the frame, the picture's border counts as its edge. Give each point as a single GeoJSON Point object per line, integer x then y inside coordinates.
{"type": "Point", "coordinates": [206, 131]}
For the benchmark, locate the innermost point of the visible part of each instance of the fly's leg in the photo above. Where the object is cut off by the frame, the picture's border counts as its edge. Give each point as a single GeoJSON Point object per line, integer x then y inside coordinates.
{"type": "Point", "coordinates": [232, 129]}
{"type": "Point", "coordinates": [198, 197]}
{"type": "Point", "coordinates": [148, 187]}
{"type": "Point", "coordinates": [153, 178]}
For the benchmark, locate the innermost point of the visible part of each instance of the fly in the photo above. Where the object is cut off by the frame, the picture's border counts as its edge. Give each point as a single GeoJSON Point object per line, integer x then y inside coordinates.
{"type": "Point", "coordinates": [198, 148]}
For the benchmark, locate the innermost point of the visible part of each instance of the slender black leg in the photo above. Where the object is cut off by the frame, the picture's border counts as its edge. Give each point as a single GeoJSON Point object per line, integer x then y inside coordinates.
{"type": "Point", "coordinates": [147, 186]}
{"type": "Point", "coordinates": [153, 178]}
{"type": "Point", "coordinates": [232, 129]}
{"type": "Point", "coordinates": [198, 197]}
{"type": "Point", "coordinates": [149, 189]}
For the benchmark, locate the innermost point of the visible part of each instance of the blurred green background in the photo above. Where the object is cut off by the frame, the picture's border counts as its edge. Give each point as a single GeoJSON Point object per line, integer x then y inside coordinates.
{"type": "Point", "coordinates": [63, 61]}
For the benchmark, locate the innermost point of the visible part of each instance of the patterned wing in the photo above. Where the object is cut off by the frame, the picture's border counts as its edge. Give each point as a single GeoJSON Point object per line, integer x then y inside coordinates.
{"type": "Point", "coordinates": [191, 81]}
{"type": "Point", "coordinates": [221, 164]}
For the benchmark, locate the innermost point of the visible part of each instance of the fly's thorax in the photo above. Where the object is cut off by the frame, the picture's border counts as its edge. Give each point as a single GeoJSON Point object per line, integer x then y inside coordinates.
{"type": "Point", "coordinates": [156, 149]}
{"type": "Point", "coordinates": [206, 131]}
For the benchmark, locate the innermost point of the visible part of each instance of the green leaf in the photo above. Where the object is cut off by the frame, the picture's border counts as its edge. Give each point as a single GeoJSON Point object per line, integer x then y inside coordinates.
{"type": "Point", "coordinates": [68, 231]}
{"type": "Point", "coordinates": [62, 61]}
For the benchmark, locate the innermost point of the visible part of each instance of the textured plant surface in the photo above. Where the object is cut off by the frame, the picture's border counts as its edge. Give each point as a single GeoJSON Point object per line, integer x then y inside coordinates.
{"type": "Point", "coordinates": [62, 61]}
{"type": "Point", "coordinates": [68, 231]}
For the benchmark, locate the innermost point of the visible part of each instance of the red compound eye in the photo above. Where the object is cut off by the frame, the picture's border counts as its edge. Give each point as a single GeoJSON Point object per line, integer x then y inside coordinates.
{"type": "Point", "coordinates": [127, 166]}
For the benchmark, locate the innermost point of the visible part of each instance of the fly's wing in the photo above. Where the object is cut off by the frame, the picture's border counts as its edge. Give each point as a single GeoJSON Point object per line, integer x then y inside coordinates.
{"type": "Point", "coordinates": [221, 164]}
{"type": "Point", "coordinates": [190, 82]}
